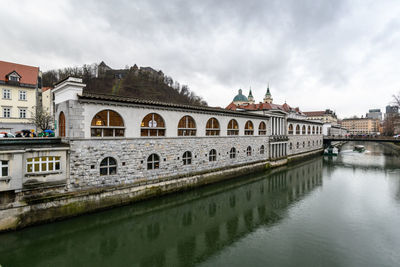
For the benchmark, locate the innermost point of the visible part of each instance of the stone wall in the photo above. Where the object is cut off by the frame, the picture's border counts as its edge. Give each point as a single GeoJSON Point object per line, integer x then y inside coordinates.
{"type": "Point", "coordinates": [306, 143]}
{"type": "Point", "coordinates": [131, 155]}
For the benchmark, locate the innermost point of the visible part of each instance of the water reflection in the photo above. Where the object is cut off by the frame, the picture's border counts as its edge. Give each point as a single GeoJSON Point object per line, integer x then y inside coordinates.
{"type": "Point", "coordinates": [376, 156]}
{"type": "Point", "coordinates": [179, 230]}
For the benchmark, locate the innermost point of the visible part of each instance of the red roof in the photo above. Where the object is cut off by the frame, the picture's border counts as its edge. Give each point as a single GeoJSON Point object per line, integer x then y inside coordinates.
{"type": "Point", "coordinates": [263, 106]}
{"type": "Point", "coordinates": [29, 74]}
{"type": "Point", "coordinates": [315, 113]}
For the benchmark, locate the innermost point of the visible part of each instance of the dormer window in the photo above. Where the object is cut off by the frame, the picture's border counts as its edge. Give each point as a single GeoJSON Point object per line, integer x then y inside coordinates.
{"type": "Point", "coordinates": [14, 77]}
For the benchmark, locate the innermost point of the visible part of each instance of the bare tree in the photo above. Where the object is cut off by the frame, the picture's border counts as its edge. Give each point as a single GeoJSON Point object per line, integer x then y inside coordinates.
{"type": "Point", "coordinates": [42, 119]}
{"type": "Point", "coordinates": [396, 100]}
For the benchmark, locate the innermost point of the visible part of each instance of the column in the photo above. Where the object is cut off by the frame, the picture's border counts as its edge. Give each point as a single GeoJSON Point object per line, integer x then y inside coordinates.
{"type": "Point", "coordinates": [273, 125]}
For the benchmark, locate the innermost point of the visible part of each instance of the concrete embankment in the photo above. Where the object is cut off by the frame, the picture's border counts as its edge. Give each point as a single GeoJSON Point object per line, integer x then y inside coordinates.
{"type": "Point", "coordinates": [41, 208]}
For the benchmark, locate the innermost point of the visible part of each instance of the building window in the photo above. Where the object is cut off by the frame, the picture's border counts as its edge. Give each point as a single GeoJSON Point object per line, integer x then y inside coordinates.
{"type": "Point", "coordinates": [61, 124]}
{"type": "Point", "coordinates": [187, 158]}
{"type": "Point", "coordinates": [313, 143]}
{"type": "Point", "coordinates": [187, 126]}
{"type": "Point", "coordinates": [309, 130]}
{"type": "Point", "coordinates": [107, 123]}
{"type": "Point", "coordinates": [248, 128]}
{"type": "Point", "coordinates": [313, 130]}
{"type": "Point", "coordinates": [4, 168]}
{"type": "Point", "coordinates": [303, 130]}
{"type": "Point", "coordinates": [212, 127]}
{"type": "Point", "coordinates": [262, 149]}
{"type": "Point", "coordinates": [14, 78]}
{"type": "Point", "coordinates": [297, 129]}
{"type": "Point", "coordinates": [6, 112]}
{"type": "Point", "coordinates": [43, 164]}
{"type": "Point", "coordinates": [297, 145]}
{"type": "Point", "coordinates": [153, 162]}
{"type": "Point", "coordinates": [304, 144]}
{"type": "Point", "coordinates": [22, 113]}
{"type": "Point", "coordinates": [290, 146]}
{"type": "Point", "coordinates": [233, 127]}
{"type": "Point", "coordinates": [6, 94]}
{"type": "Point", "coordinates": [290, 130]}
{"type": "Point", "coordinates": [22, 95]}
{"type": "Point", "coordinates": [248, 151]}
{"type": "Point", "coordinates": [232, 153]}
{"type": "Point", "coordinates": [108, 166]}
{"type": "Point", "coordinates": [309, 143]}
{"type": "Point", "coordinates": [212, 156]}
{"type": "Point", "coordinates": [152, 125]}
{"type": "Point", "coordinates": [262, 128]}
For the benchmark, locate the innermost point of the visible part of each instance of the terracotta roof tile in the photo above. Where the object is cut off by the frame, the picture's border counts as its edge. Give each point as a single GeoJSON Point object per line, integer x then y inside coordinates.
{"type": "Point", "coordinates": [314, 113]}
{"type": "Point", "coordinates": [28, 74]}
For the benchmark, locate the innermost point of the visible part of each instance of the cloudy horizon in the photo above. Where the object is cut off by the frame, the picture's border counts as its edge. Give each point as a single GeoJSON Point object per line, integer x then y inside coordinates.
{"type": "Point", "coordinates": [316, 55]}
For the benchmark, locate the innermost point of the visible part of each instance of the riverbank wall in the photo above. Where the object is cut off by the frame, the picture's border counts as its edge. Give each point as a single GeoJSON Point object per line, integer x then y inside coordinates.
{"type": "Point", "coordinates": [43, 205]}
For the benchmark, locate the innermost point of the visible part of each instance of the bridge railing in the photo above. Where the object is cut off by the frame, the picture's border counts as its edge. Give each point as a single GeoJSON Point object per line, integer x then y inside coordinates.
{"type": "Point", "coordinates": [367, 138]}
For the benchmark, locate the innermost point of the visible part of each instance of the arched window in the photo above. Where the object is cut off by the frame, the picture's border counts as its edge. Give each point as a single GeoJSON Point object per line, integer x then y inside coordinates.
{"type": "Point", "coordinates": [313, 143]}
{"type": "Point", "coordinates": [309, 143]}
{"type": "Point", "coordinates": [313, 130]}
{"type": "Point", "coordinates": [303, 130]}
{"type": "Point", "coordinates": [61, 124]}
{"type": "Point", "coordinates": [107, 123]}
{"type": "Point", "coordinates": [304, 144]}
{"type": "Point", "coordinates": [262, 150]}
{"type": "Point", "coordinates": [262, 128]}
{"type": "Point", "coordinates": [233, 127]}
{"type": "Point", "coordinates": [212, 127]}
{"type": "Point", "coordinates": [187, 158]}
{"type": "Point", "coordinates": [297, 129]}
{"type": "Point", "coordinates": [232, 153]}
{"type": "Point", "coordinates": [248, 151]}
{"type": "Point", "coordinates": [290, 146]}
{"type": "Point", "coordinates": [153, 162]}
{"type": "Point", "coordinates": [212, 155]}
{"type": "Point", "coordinates": [297, 145]}
{"type": "Point", "coordinates": [108, 166]}
{"type": "Point", "coordinates": [152, 125]}
{"type": "Point", "coordinates": [187, 126]}
{"type": "Point", "coordinates": [248, 128]}
{"type": "Point", "coordinates": [309, 129]}
{"type": "Point", "coordinates": [320, 130]}
{"type": "Point", "coordinates": [290, 130]}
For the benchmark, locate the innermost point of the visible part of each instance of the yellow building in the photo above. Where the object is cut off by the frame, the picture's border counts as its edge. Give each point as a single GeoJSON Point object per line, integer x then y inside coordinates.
{"type": "Point", "coordinates": [361, 125]}
{"type": "Point", "coordinates": [19, 96]}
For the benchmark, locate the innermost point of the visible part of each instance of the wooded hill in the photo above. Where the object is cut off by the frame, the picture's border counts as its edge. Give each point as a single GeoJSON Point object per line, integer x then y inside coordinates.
{"type": "Point", "coordinates": [143, 83]}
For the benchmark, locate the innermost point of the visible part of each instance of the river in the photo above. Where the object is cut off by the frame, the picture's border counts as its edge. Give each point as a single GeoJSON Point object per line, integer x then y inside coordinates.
{"type": "Point", "coordinates": [342, 211]}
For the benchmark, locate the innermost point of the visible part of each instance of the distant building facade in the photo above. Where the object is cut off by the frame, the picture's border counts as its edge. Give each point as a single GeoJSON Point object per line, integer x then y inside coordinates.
{"type": "Point", "coordinates": [327, 116]}
{"type": "Point", "coordinates": [333, 130]}
{"type": "Point", "coordinates": [19, 96]}
{"type": "Point", "coordinates": [375, 114]}
{"type": "Point", "coordinates": [361, 125]}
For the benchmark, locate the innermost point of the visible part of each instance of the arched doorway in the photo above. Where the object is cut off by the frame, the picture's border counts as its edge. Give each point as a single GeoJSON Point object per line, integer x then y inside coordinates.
{"type": "Point", "coordinates": [61, 124]}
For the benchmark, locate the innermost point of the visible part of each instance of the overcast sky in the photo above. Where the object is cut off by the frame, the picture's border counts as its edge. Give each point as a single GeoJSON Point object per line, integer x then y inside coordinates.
{"type": "Point", "coordinates": [342, 55]}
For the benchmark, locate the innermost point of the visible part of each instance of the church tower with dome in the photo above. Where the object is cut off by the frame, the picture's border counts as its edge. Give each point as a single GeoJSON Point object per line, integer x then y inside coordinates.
{"type": "Point", "coordinates": [268, 97]}
{"type": "Point", "coordinates": [240, 98]}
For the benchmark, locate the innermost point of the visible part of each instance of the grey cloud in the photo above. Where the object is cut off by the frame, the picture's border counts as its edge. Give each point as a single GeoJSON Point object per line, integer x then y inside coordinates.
{"type": "Point", "coordinates": [300, 46]}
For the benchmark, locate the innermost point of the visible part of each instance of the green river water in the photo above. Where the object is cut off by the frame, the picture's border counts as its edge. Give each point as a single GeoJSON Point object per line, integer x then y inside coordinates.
{"type": "Point", "coordinates": [342, 211]}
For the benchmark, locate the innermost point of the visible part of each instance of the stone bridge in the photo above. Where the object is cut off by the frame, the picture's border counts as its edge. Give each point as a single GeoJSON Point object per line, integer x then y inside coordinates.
{"type": "Point", "coordinates": [329, 139]}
